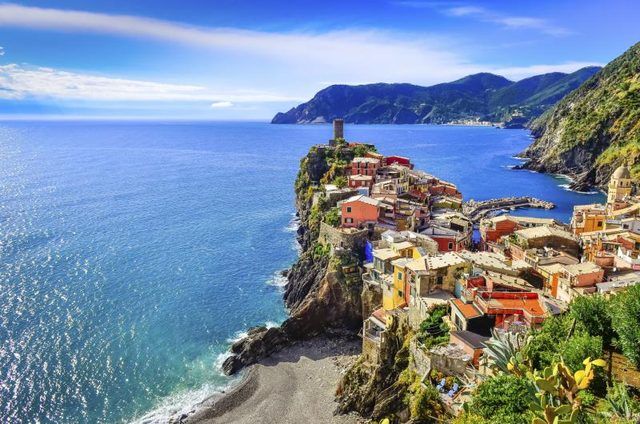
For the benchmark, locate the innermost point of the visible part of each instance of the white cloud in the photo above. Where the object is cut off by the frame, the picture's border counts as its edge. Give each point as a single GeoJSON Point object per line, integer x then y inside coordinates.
{"type": "Point", "coordinates": [304, 58]}
{"type": "Point", "coordinates": [19, 81]}
{"type": "Point", "coordinates": [372, 55]}
{"type": "Point", "coordinates": [461, 10]}
{"type": "Point", "coordinates": [2, 51]}
{"type": "Point", "coordinates": [221, 105]}
{"type": "Point", "coordinates": [465, 11]}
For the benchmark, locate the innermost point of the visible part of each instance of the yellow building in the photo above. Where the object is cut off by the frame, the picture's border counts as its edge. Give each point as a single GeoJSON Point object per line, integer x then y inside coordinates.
{"type": "Point", "coordinates": [395, 295]}
{"type": "Point", "coordinates": [619, 188]}
{"type": "Point", "coordinates": [587, 218]}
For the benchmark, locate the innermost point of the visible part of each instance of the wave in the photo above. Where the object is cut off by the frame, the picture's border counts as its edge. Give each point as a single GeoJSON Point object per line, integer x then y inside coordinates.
{"type": "Point", "coordinates": [567, 187]}
{"type": "Point", "coordinates": [293, 225]}
{"type": "Point", "coordinates": [186, 402]}
{"type": "Point", "coordinates": [278, 280]}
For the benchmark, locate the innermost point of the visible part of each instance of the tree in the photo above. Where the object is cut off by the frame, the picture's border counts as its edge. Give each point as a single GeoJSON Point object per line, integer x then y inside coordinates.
{"type": "Point", "coordinates": [332, 217]}
{"type": "Point", "coordinates": [340, 182]}
{"type": "Point", "coordinates": [594, 314]}
{"type": "Point", "coordinates": [625, 313]}
{"type": "Point", "coordinates": [546, 342]}
{"type": "Point", "coordinates": [504, 398]}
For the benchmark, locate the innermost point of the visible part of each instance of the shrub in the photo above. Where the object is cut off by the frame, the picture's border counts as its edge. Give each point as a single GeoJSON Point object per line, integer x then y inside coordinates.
{"type": "Point", "coordinates": [625, 313]}
{"type": "Point", "coordinates": [546, 342]}
{"type": "Point", "coordinates": [504, 398]}
{"type": "Point", "coordinates": [434, 331]}
{"type": "Point", "coordinates": [333, 217]}
{"type": "Point", "coordinates": [593, 313]}
{"type": "Point", "coordinates": [340, 182]}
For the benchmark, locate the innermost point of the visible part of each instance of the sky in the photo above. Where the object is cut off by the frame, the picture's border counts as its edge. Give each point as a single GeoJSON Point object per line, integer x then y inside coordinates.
{"type": "Point", "coordinates": [235, 59]}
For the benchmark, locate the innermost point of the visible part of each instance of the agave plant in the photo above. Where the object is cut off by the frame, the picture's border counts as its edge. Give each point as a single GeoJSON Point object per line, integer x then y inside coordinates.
{"type": "Point", "coordinates": [621, 405]}
{"type": "Point", "coordinates": [504, 352]}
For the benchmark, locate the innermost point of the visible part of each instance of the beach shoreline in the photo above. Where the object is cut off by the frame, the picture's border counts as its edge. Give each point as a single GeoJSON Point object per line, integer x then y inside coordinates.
{"type": "Point", "coordinates": [294, 385]}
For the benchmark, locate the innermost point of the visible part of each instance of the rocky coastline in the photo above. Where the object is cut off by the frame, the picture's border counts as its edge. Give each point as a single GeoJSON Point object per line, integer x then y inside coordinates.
{"type": "Point", "coordinates": [317, 296]}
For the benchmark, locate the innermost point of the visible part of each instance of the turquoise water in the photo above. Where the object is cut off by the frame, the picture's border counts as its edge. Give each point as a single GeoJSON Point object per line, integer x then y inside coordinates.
{"type": "Point", "coordinates": [132, 253]}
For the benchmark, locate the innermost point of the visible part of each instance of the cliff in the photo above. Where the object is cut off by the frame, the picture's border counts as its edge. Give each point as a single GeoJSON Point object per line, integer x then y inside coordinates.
{"type": "Point", "coordinates": [484, 96]}
{"type": "Point", "coordinates": [319, 297]}
{"type": "Point", "coordinates": [593, 130]}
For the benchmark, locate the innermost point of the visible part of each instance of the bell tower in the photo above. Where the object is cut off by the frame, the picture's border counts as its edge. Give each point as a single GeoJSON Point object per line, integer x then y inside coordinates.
{"type": "Point", "coordinates": [619, 188]}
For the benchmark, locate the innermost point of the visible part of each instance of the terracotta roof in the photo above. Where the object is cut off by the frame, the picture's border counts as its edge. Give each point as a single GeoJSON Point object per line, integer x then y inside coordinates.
{"type": "Point", "coordinates": [468, 310]}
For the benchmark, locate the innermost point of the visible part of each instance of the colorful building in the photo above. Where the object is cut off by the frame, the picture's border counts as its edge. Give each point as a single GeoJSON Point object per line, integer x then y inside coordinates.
{"type": "Point", "coordinates": [365, 166]}
{"type": "Point", "coordinates": [587, 218]}
{"type": "Point", "coordinates": [360, 211]}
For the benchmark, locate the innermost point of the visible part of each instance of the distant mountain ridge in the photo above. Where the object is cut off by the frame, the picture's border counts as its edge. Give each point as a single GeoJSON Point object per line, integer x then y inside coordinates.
{"type": "Point", "coordinates": [478, 97]}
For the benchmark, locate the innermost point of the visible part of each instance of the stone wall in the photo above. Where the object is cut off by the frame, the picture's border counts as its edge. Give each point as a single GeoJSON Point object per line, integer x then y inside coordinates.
{"type": "Point", "coordinates": [344, 239]}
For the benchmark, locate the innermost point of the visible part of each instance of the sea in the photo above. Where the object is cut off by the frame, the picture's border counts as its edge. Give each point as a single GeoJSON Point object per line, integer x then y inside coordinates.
{"type": "Point", "coordinates": [133, 253]}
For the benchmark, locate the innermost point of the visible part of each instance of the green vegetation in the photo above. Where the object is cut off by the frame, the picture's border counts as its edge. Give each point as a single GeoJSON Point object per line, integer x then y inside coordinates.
{"type": "Point", "coordinates": [433, 330]}
{"type": "Point", "coordinates": [504, 398]}
{"type": "Point", "coordinates": [422, 398]}
{"type": "Point", "coordinates": [553, 369]}
{"type": "Point", "coordinates": [481, 96]}
{"type": "Point", "coordinates": [340, 181]}
{"type": "Point", "coordinates": [362, 149]}
{"type": "Point", "coordinates": [625, 313]}
{"type": "Point", "coordinates": [333, 217]}
{"type": "Point", "coordinates": [599, 121]}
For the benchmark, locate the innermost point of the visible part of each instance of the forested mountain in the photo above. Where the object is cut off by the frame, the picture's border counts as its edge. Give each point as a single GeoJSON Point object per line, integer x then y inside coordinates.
{"type": "Point", "coordinates": [478, 97]}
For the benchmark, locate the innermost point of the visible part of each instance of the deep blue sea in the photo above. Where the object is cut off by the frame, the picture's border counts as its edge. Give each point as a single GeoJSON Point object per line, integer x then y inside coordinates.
{"type": "Point", "coordinates": [132, 253]}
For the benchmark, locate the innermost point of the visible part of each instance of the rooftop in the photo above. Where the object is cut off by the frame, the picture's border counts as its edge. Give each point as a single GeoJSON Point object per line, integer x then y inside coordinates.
{"type": "Point", "coordinates": [468, 310]}
{"type": "Point", "coordinates": [361, 177]}
{"type": "Point", "coordinates": [444, 260]}
{"type": "Point", "coordinates": [582, 268]}
{"type": "Point", "coordinates": [385, 254]}
{"type": "Point", "coordinates": [471, 339]}
{"type": "Point", "coordinates": [364, 199]}
{"type": "Point", "coordinates": [366, 160]}
{"type": "Point", "coordinates": [544, 231]}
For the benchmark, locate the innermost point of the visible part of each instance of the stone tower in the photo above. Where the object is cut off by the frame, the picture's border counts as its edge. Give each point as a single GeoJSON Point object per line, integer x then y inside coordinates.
{"type": "Point", "coordinates": [619, 188]}
{"type": "Point", "coordinates": [338, 129]}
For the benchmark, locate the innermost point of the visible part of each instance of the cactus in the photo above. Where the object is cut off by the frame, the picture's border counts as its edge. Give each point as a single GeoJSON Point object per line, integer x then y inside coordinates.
{"type": "Point", "coordinates": [557, 391]}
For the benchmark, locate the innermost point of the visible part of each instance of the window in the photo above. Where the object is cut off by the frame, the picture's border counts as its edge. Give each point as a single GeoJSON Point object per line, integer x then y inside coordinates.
{"type": "Point", "coordinates": [599, 223]}
{"type": "Point", "coordinates": [348, 220]}
{"type": "Point", "coordinates": [399, 276]}
{"type": "Point", "coordinates": [400, 293]}
{"type": "Point", "coordinates": [348, 209]}
{"type": "Point", "coordinates": [450, 246]}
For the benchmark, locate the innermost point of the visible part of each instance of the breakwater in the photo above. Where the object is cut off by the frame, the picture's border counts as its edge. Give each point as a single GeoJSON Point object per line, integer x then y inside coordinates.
{"type": "Point", "coordinates": [476, 210]}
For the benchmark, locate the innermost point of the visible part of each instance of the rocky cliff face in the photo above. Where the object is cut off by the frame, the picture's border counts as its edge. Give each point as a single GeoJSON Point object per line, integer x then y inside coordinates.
{"type": "Point", "coordinates": [317, 295]}
{"type": "Point", "coordinates": [594, 129]}
{"type": "Point", "coordinates": [377, 391]}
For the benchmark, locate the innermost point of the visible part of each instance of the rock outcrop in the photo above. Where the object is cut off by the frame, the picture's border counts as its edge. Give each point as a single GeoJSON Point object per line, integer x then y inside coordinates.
{"type": "Point", "coordinates": [318, 296]}
{"type": "Point", "coordinates": [375, 390]}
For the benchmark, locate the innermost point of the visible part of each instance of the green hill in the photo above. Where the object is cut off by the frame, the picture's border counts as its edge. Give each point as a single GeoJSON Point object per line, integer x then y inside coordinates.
{"type": "Point", "coordinates": [595, 128]}
{"type": "Point", "coordinates": [483, 96]}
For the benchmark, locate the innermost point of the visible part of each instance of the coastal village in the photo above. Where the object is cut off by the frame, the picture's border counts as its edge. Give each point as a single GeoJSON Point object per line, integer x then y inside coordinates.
{"type": "Point", "coordinates": [419, 258]}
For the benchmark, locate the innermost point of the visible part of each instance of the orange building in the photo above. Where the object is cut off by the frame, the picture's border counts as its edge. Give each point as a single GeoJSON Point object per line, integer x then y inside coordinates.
{"type": "Point", "coordinates": [492, 229]}
{"type": "Point", "coordinates": [587, 218]}
{"type": "Point", "coordinates": [358, 211]}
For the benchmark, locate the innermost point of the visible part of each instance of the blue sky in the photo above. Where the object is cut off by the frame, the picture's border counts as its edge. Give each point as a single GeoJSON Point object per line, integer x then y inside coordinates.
{"type": "Point", "coordinates": [249, 59]}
